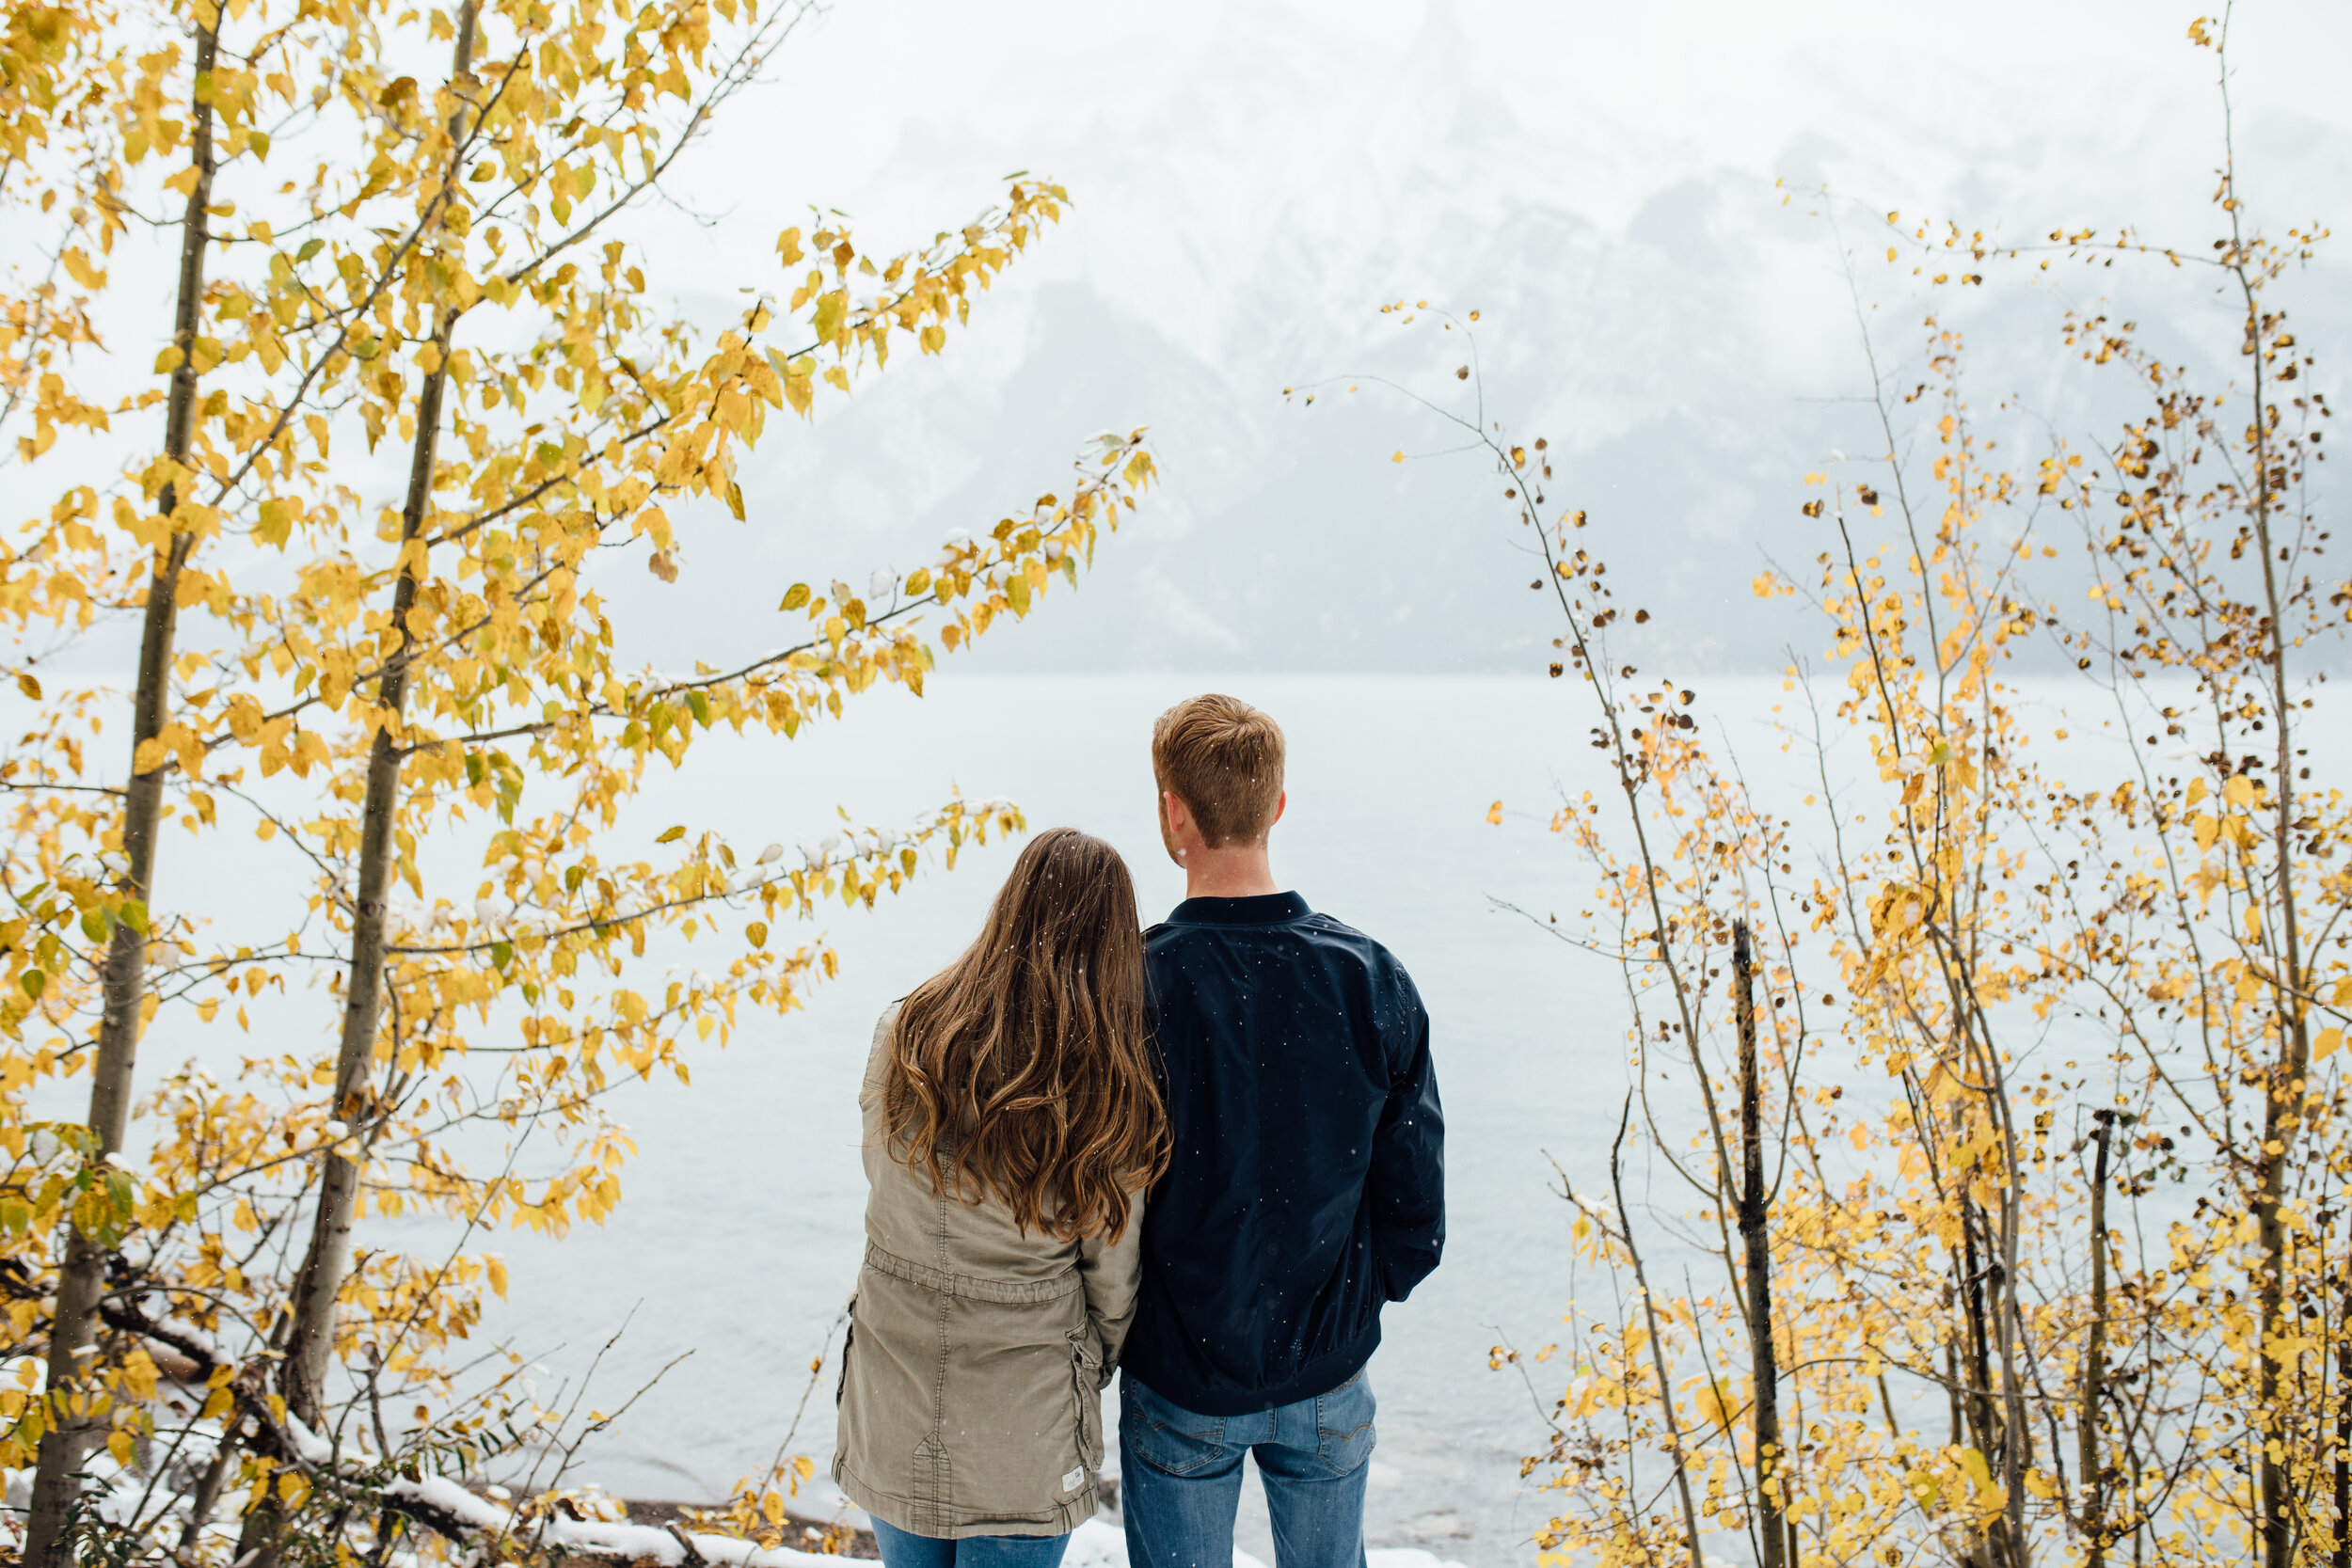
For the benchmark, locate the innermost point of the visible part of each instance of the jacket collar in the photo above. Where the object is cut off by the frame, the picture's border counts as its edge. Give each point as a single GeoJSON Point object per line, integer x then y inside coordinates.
{"type": "Point", "coordinates": [1267, 908]}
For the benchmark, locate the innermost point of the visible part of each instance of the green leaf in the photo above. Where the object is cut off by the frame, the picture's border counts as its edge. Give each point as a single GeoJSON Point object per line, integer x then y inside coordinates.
{"type": "Point", "coordinates": [502, 953]}
{"type": "Point", "coordinates": [35, 982]}
{"type": "Point", "coordinates": [310, 247]}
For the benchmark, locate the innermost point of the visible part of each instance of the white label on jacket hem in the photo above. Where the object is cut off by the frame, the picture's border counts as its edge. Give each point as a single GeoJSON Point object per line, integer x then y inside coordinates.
{"type": "Point", "coordinates": [1077, 1478]}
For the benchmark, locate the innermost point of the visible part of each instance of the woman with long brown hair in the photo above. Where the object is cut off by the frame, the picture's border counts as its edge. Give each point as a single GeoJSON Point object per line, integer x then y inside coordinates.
{"type": "Point", "coordinates": [1012, 1122]}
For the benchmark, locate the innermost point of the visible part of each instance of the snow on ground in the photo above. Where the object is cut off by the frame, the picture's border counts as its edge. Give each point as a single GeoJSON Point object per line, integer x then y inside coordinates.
{"type": "Point", "coordinates": [612, 1538]}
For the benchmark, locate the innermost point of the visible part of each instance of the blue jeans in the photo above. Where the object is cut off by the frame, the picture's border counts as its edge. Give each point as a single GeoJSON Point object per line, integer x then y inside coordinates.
{"type": "Point", "coordinates": [1180, 1478]}
{"type": "Point", "coordinates": [903, 1551]}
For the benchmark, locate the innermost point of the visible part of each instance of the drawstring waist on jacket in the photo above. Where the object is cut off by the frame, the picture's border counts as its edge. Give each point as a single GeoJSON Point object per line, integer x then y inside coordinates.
{"type": "Point", "coordinates": [1014, 1292]}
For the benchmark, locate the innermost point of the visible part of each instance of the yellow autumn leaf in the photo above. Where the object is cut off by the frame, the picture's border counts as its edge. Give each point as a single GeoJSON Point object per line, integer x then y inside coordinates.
{"type": "Point", "coordinates": [476, 792]}
{"type": "Point", "coordinates": [139, 1374]}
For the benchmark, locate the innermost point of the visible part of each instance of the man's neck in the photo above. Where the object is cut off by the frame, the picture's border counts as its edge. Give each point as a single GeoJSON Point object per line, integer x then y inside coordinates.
{"type": "Point", "coordinates": [1235, 872]}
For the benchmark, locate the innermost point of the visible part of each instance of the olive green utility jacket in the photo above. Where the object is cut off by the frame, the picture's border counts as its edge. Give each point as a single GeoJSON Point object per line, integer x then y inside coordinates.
{"type": "Point", "coordinates": [970, 1385]}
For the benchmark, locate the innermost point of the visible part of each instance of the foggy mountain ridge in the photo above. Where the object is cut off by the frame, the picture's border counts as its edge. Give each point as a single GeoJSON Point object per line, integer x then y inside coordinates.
{"type": "Point", "coordinates": [1250, 184]}
{"type": "Point", "coordinates": [1282, 535]}
{"type": "Point", "coordinates": [1685, 340]}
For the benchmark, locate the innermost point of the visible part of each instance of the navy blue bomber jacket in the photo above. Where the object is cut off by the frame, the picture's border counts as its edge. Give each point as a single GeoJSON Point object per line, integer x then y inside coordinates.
{"type": "Point", "coordinates": [1306, 1185]}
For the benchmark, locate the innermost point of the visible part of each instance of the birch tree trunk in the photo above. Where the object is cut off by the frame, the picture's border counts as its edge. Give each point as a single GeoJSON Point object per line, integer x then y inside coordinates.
{"type": "Point", "coordinates": [1763, 1355]}
{"type": "Point", "coordinates": [2095, 1358]}
{"type": "Point", "coordinates": [311, 1346]}
{"type": "Point", "coordinates": [81, 1282]}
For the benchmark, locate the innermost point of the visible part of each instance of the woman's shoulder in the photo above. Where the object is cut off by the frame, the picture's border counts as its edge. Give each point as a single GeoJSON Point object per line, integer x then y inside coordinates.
{"type": "Point", "coordinates": [877, 1054]}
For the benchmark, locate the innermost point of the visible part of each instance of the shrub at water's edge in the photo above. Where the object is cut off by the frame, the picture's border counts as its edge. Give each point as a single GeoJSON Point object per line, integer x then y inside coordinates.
{"type": "Point", "coordinates": [2007, 1104]}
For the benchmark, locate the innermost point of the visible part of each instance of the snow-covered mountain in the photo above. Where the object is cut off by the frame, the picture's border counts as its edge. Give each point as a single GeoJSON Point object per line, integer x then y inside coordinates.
{"type": "Point", "coordinates": [1252, 181]}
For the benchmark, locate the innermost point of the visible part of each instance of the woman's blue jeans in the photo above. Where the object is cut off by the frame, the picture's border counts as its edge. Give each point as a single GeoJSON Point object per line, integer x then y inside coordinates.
{"type": "Point", "coordinates": [903, 1551]}
{"type": "Point", "coordinates": [1180, 1478]}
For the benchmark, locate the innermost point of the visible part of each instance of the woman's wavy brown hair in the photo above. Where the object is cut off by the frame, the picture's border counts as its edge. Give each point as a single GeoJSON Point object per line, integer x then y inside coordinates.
{"type": "Point", "coordinates": [1023, 1071]}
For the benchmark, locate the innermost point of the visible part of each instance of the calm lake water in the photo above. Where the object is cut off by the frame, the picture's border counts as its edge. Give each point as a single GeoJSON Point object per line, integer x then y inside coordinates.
{"type": "Point", "coordinates": [740, 1232]}
{"type": "Point", "coordinates": [741, 1236]}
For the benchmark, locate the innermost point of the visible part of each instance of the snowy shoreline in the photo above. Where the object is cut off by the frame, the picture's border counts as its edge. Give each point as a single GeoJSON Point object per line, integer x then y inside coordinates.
{"type": "Point", "coordinates": [1100, 1543]}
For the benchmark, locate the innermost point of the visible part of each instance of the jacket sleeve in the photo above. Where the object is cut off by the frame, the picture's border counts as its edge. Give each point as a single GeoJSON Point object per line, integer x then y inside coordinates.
{"type": "Point", "coordinates": [1111, 1271]}
{"type": "Point", "coordinates": [1408, 1177]}
{"type": "Point", "coordinates": [869, 1088]}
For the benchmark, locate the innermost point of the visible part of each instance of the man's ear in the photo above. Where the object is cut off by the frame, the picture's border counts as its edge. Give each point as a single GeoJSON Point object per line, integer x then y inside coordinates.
{"type": "Point", "coordinates": [1280, 801]}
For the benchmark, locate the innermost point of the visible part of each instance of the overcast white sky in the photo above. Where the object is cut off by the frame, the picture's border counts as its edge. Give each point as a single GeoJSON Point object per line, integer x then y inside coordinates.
{"type": "Point", "coordinates": [885, 98]}
{"type": "Point", "coordinates": [1251, 180]}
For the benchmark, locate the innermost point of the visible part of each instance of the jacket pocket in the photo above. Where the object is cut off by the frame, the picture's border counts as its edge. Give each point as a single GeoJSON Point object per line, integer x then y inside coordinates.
{"type": "Point", "coordinates": [1086, 1387]}
{"type": "Point", "coordinates": [848, 1338]}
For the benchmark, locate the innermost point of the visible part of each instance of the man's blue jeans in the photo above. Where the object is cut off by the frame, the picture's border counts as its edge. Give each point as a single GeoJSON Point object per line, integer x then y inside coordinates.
{"type": "Point", "coordinates": [900, 1550]}
{"type": "Point", "coordinates": [1180, 1478]}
